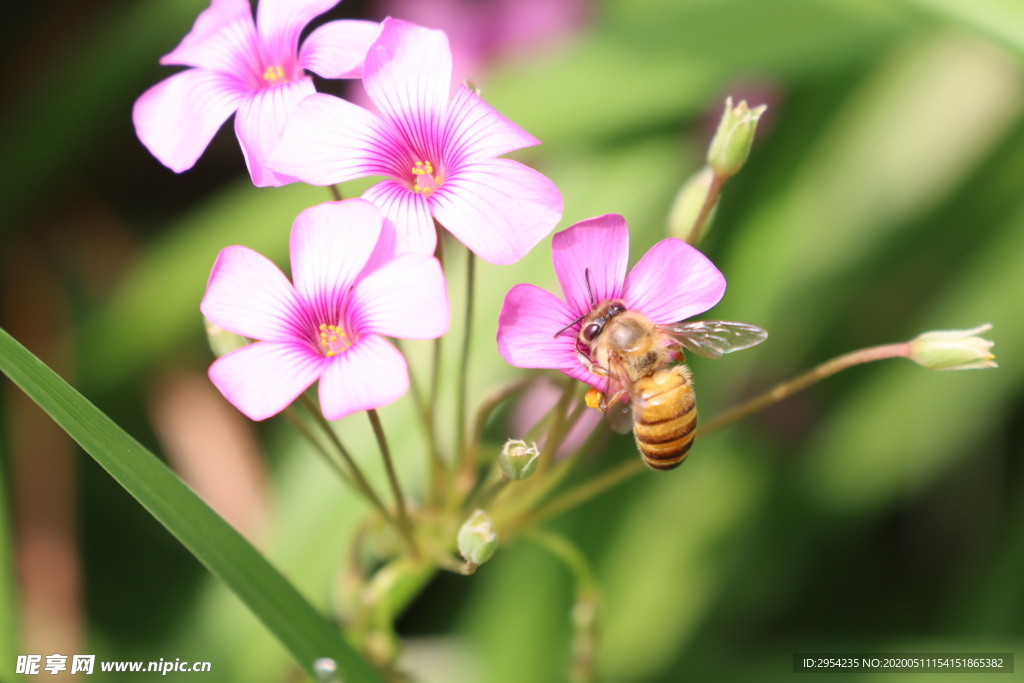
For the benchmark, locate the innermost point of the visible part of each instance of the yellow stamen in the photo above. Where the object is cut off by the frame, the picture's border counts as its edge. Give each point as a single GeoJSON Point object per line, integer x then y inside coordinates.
{"type": "Point", "coordinates": [273, 74]}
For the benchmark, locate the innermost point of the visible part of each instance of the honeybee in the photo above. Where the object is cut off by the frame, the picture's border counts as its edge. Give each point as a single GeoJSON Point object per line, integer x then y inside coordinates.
{"type": "Point", "coordinates": [650, 388]}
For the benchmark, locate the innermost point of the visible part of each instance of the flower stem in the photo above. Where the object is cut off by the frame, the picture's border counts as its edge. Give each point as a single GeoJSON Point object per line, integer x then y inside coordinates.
{"type": "Point", "coordinates": [584, 613]}
{"type": "Point", "coordinates": [296, 421]}
{"type": "Point", "coordinates": [467, 474]}
{"type": "Point", "coordinates": [335, 192]}
{"type": "Point", "coordinates": [360, 481]}
{"type": "Point", "coordinates": [467, 333]}
{"type": "Point", "coordinates": [438, 468]}
{"type": "Point", "coordinates": [404, 523]}
{"type": "Point", "coordinates": [788, 388]}
{"type": "Point", "coordinates": [697, 231]}
{"type": "Point", "coordinates": [777, 393]}
{"type": "Point", "coordinates": [484, 497]}
{"type": "Point", "coordinates": [558, 426]}
{"type": "Point", "coordinates": [435, 371]}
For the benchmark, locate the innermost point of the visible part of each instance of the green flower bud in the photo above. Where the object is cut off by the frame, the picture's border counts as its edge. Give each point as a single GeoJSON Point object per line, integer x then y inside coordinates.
{"type": "Point", "coordinates": [477, 540]}
{"type": "Point", "coordinates": [682, 219]}
{"type": "Point", "coordinates": [518, 460]}
{"type": "Point", "coordinates": [221, 341]}
{"type": "Point", "coordinates": [731, 145]}
{"type": "Point", "coordinates": [953, 349]}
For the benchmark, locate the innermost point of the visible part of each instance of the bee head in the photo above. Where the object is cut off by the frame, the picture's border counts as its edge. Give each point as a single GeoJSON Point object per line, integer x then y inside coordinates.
{"type": "Point", "coordinates": [593, 329]}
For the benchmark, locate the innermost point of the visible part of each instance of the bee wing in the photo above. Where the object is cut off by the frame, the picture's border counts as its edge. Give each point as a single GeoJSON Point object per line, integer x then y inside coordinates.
{"type": "Point", "coordinates": [713, 338]}
{"type": "Point", "coordinates": [617, 400]}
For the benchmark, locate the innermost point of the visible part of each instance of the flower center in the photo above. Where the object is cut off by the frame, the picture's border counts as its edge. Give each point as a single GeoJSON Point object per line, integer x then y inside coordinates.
{"type": "Point", "coordinates": [333, 340]}
{"type": "Point", "coordinates": [424, 180]}
{"type": "Point", "coordinates": [274, 75]}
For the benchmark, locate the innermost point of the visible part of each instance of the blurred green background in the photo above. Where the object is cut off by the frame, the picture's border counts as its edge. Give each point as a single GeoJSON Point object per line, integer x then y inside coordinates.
{"type": "Point", "coordinates": [880, 511]}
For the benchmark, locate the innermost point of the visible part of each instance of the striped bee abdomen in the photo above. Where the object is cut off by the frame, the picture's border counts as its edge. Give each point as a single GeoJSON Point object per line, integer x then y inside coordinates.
{"type": "Point", "coordinates": [665, 417]}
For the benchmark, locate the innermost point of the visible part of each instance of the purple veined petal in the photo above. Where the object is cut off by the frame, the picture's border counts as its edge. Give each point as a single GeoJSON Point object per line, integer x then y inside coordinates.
{"type": "Point", "coordinates": [250, 296]}
{"type": "Point", "coordinates": [224, 39]}
{"type": "Point", "coordinates": [406, 298]}
{"type": "Point", "coordinates": [338, 48]}
{"type": "Point", "coordinates": [596, 249]}
{"type": "Point", "coordinates": [410, 214]}
{"type": "Point", "coordinates": [529, 319]}
{"type": "Point", "coordinates": [259, 124]}
{"type": "Point", "coordinates": [177, 117]}
{"type": "Point", "coordinates": [371, 374]}
{"type": "Point", "coordinates": [262, 379]}
{"type": "Point", "coordinates": [476, 131]}
{"type": "Point", "coordinates": [330, 244]}
{"type": "Point", "coordinates": [672, 282]}
{"type": "Point", "coordinates": [280, 22]}
{"type": "Point", "coordinates": [498, 208]}
{"type": "Point", "coordinates": [329, 140]}
{"type": "Point", "coordinates": [408, 76]}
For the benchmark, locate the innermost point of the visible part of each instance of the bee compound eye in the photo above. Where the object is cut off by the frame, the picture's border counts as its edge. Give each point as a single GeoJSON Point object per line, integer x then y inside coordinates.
{"type": "Point", "coordinates": [591, 331]}
{"type": "Point", "coordinates": [615, 309]}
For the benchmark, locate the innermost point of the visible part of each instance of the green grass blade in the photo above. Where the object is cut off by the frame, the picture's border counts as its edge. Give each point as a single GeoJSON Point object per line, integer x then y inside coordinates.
{"type": "Point", "coordinates": [299, 627]}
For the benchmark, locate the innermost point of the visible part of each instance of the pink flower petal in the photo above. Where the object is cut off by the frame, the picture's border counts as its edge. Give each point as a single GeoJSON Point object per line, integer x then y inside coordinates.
{"type": "Point", "coordinates": [177, 117]}
{"type": "Point", "coordinates": [371, 374]}
{"type": "Point", "coordinates": [223, 38]}
{"type": "Point", "coordinates": [408, 75]}
{"type": "Point", "coordinates": [529, 319]}
{"type": "Point", "coordinates": [384, 251]}
{"type": "Point", "coordinates": [263, 379]}
{"type": "Point", "coordinates": [329, 140]}
{"type": "Point", "coordinates": [476, 131]}
{"type": "Point", "coordinates": [330, 244]}
{"type": "Point", "coordinates": [406, 298]}
{"type": "Point", "coordinates": [250, 296]}
{"type": "Point", "coordinates": [672, 282]}
{"type": "Point", "coordinates": [280, 22]}
{"type": "Point", "coordinates": [338, 48]}
{"type": "Point", "coordinates": [410, 214]}
{"type": "Point", "coordinates": [598, 246]}
{"type": "Point", "coordinates": [259, 124]}
{"type": "Point", "coordinates": [498, 208]}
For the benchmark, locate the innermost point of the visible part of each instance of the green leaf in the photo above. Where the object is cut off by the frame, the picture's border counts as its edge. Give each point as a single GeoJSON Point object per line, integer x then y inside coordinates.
{"type": "Point", "coordinates": [1001, 20]}
{"type": "Point", "coordinates": [299, 627]}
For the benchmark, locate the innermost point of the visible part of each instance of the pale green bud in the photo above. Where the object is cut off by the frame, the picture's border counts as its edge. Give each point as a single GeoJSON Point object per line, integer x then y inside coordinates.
{"type": "Point", "coordinates": [518, 460]}
{"type": "Point", "coordinates": [731, 145]}
{"type": "Point", "coordinates": [221, 341]}
{"type": "Point", "coordinates": [686, 209]}
{"type": "Point", "coordinates": [477, 540]}
{"type": "Point", "coordinates": [953, 349]}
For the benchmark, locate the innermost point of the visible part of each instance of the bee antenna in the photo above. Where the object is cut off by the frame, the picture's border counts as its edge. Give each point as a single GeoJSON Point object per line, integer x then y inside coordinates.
{"type": "Point", "coordinates": [571, 324]}
{"type": "Point", "coordinates": [590, 290]}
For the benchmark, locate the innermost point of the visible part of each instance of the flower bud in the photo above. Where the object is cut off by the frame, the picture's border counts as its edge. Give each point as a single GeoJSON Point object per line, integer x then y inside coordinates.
{"type": "Point", "coordinates": [953, 349]}
{"type": "Point", "coordinates": [477, 540]}
{"type": "Point", "coordinates": [518, 460]}
{"type": "Point", "coordinates": [686, 209]}
{"type": "Point", "coordinates": [731, 145]}
{"type": "Point", "coordinates": [221, 341]}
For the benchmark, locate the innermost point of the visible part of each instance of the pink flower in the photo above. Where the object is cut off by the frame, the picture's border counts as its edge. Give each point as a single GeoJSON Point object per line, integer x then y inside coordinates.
{"type": "Point", "coordinates": [329, 324]}
{"type": "Point", "coordinates": [438, 152]}
{"type": "Point", "coordinates": [672, 282]}
{"type": "Point", "coordinates": [253, 68]}
{"type": "Point", "coordinates": [481, 33]}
